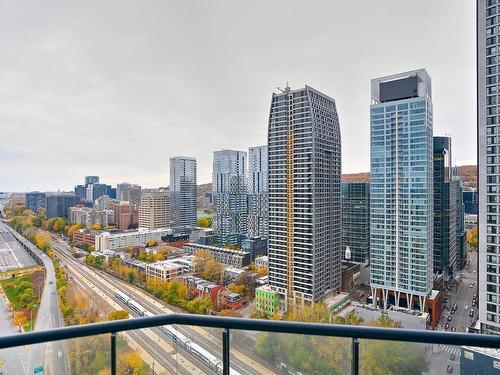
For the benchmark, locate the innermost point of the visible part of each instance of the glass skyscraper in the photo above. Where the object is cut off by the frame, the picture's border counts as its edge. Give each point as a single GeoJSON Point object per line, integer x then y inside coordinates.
{"type": "Point", "coordinates": [488, 68]}
{"type": "Point", "coordinates": [229, 196]}
{"type": "Point", "coordinates": [356, 219]}
{"type": "Point", "coordinates": [304, 195]}
{"type": "Point", "coordinates": [258, 193]}
{"type": "Point", "coordinates": [401, 189]}
{"type": "Point", "coordinates": [183, 191]}
{"type": "Point", "coordinates": [445, 210]}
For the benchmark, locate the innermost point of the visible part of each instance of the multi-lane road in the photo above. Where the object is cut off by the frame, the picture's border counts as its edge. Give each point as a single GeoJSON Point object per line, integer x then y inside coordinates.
{"type": "Point", "coordinates": [12, 254]}
{"type": "Point", "coordinates": [460, 293]}
{"type": "Point", "coordinates": [104, 286]}
{"type": "Point", "coordinates": [52, 356]}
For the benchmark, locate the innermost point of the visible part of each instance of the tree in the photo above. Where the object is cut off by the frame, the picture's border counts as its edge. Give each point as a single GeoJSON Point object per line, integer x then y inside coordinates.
{"type": "Point", "coordinates": [73, 228]}
{"type": "Point", "coordinates": [321, 355]}
{"type": "Point", "coordinates": [239, 289]}
{"type": "Point", "coordinates": [42, 241]}
{"type": "Point", "coordinates": [204, 222]}
{"type": "Point", "coordinates": [37, 220]}
{"type": "Point", "coordinates": [59, 224]}
{"type": "Point", "coordinates": [262, 271]}
{"type": "Point", "coordinates": [213, 271]}
{"type": "Point", "coordinates": [20, 318]}
{"type": "Point", "coordinates": [201, 258]}
{"type": "Point", "coordinates": [199, 305]}
{"type": "Point", "coordinates": [96, 226]}
{"type": "Point", "coordinates": [472, 237]}
{"type": "Point", "coordinates": [151, 243]}
{"type": "Point", "coordinates": [249, 280]}
{"type": "Point", "coordinates": [118, 315]}
{"type": "Point", "coordinates": [130, 363]}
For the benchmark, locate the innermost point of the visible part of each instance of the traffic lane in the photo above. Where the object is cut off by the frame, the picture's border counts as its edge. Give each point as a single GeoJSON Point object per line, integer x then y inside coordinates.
{"type": "Point", "coordinates": [14, 360]}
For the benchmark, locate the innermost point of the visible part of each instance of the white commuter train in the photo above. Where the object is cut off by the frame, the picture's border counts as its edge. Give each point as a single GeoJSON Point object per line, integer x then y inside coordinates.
{"type": "Point", "coordinates": [177, 337]}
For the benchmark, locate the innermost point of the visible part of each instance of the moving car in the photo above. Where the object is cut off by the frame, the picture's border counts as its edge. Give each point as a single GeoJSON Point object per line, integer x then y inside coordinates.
{"type": "Point", "coordinates": [452, 357]}
{"type": "Point", "coordinates": [449, 369]}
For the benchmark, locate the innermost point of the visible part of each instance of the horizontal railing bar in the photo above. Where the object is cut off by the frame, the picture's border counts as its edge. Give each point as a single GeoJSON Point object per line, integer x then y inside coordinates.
{"type": "Point", "coordinates": [313, 329]}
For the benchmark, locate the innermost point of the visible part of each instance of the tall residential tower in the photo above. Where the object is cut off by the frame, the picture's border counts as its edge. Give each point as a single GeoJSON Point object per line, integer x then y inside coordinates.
{"type": "Point", "coordinates": [304, 195]}
{"type": "Point", "coordinates": [258, 193]}
{"type": "Point", "coordinates": [488, 46]}
{"type": "Point", "coordinates": [401, 189]}
{"type": "Point", "coordinates": [183, 191]}
{"type": "Point", "coordinates": [229, 196]}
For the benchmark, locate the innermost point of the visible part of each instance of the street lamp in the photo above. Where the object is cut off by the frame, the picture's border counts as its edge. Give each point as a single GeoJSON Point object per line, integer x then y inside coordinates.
{"type": "Point", "coordinates": [31, 315]}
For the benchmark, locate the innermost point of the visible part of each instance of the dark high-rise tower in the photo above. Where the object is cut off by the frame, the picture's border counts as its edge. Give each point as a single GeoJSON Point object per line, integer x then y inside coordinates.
{"type": "Point", "coordinates": [445, 210]}
{"type": "Point", "coordinates": [304, 195]}
{"type": "Point", "coordinates": [356, 219]}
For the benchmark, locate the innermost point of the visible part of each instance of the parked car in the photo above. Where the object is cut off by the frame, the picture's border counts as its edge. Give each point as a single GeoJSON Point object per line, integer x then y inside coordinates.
{"type": "Point", "coordinates": [471, 313]}
{"type": "Point", "coordinates": [454, 306]}
{"type": "Point", "coordinates": [452, 311]}
{"type": "Point", "coordinates": [453, 329]}
{"type": "Point", "coordinates": [471, 285]}
{"type": "Point", "coordinates": [449, 318]}
{"type": "Point", "coordinates": [446, 326]}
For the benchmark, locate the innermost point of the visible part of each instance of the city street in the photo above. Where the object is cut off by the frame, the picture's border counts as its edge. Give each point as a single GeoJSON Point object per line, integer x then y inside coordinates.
{"type": "Point", "coordinates": [460, 293]}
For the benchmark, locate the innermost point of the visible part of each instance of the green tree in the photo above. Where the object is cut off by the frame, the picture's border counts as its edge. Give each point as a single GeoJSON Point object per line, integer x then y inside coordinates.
{"type": "Point", "coordinates": [199, 305]}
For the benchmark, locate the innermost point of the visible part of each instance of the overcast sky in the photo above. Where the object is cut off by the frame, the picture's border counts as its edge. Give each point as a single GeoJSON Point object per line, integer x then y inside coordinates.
{"type": "Point", "coordinates": [114, 88]}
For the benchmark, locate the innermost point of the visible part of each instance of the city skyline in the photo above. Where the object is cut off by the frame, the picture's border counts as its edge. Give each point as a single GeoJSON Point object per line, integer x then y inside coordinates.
{"type": "Point", "coordinates": [80, 73]}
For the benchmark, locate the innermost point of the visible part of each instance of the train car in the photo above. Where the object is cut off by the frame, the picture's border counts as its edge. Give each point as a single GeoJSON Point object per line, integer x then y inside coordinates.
{"type": "Point", "coordinates": [136, 307]}
{"type": "Point", "coordinates": [122, 297]}
{"type": "Point", "coordinates": [204, 355]}
{"type": "Point", "coordinates": [175, 335]}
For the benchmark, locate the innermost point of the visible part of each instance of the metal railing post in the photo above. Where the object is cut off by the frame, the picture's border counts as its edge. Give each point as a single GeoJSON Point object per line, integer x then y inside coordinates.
{"type": "Point", "coordinates": [225, 352]}
{"type": "Point", "coordinates": [113, 353]}
{"type": "Point", "coordinates": [355, 356]}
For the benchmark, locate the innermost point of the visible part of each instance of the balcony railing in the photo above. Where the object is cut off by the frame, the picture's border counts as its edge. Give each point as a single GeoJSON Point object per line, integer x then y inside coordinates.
{"type": "Point", "coordinates": [355, 333]}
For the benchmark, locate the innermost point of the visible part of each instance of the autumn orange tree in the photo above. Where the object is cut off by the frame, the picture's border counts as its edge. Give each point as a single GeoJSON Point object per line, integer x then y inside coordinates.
{"type": "Point", "coordinates": [118, 315]}
{"type": "Point", "coordinates": [472, 238]}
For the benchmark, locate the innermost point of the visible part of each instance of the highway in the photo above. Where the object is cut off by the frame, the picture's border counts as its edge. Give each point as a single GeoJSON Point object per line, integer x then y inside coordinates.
{"type": "Point", "coordinates": [50, 355]}
{"type": "Point", "coordinates": [12, 254]}
{"type": "Point", "coordinates": [107, 284]}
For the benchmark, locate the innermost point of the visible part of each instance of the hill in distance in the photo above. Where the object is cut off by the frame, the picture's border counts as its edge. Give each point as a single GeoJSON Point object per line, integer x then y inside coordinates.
{"type": "Point", "coordinates": [467, 173]}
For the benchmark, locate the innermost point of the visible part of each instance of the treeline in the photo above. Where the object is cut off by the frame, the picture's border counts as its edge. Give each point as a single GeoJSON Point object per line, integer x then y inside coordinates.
{"type": "Point", "coordinates": [313, 355]}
